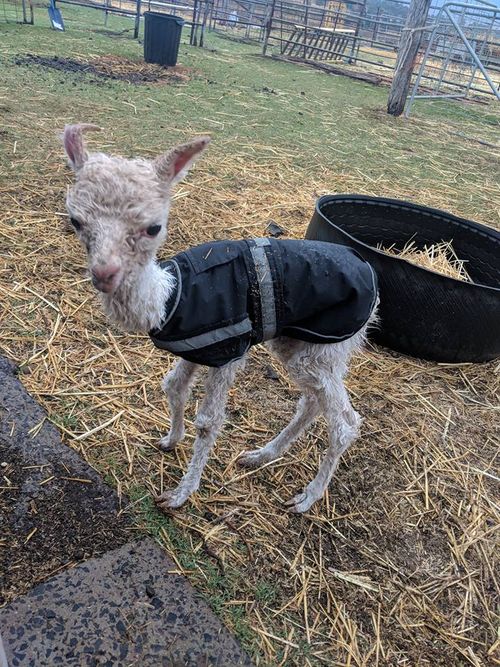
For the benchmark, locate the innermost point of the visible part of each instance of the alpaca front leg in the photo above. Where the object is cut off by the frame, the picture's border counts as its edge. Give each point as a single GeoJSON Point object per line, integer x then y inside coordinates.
{"type": "Point", "coordinates": [208, 422]}
{"type": "Point", "coordinates": [177, 385]}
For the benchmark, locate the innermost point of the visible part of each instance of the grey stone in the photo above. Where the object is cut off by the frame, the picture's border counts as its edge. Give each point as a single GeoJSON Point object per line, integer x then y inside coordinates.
{"type": "Point", "coordinates": [3, 657]}
{"type": "Point", "coordinates": [183, 631]}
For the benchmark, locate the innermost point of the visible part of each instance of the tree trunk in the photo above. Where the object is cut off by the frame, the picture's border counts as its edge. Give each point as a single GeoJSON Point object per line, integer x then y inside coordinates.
{"type": "Point", "coordinates": [409, 44]}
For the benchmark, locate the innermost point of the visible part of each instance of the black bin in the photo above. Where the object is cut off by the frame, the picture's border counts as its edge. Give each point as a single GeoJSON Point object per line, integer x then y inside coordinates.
{"type": "Point", "coordinates": [162, 36]}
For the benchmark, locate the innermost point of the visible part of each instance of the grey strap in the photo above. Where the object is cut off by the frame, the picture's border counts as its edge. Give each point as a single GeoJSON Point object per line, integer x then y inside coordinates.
{"type": "Point", "coordinates": [208, 338]}
{"type": "Point", "coordinates": [266, 288]}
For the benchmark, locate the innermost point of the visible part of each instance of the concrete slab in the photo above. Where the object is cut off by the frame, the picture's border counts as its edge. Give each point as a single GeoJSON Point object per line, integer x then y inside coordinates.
{"type": "Point", "coordinates": [128, 608]}
{"type": "Point", "coordinates": [3, 657]}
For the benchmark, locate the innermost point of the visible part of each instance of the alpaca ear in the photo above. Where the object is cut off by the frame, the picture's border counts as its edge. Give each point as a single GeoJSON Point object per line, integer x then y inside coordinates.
{"type": "Point", "coordinates": [74, 145]}
{"type": "Point", "coordinates": [173, 165]}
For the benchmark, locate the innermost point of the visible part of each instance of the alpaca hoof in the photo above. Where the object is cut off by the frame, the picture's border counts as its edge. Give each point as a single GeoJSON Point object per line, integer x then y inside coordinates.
{"type": "Point", "coordinates": [302, 502]}
{"type": "Point", "coordinates": [170, 441]}
{"type": "Point", "coordinates": [251, 459]}
{"type": "Point", "coordinates": [171, 500]}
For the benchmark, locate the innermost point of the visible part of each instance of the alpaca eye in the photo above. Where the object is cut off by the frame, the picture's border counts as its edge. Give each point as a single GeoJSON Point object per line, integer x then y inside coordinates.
{"type": "Point", "coordinates": [153, 230]}
{"type": "Point", "coordinates": [75, 224]}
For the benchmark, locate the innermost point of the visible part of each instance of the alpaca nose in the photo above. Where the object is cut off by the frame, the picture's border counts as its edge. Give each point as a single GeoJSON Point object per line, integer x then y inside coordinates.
{"type": "Point", "coordinates": [102, 276]}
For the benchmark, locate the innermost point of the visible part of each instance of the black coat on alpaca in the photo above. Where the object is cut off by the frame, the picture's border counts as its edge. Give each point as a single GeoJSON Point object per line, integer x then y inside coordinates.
{"type": "Point", "coordinates": [231, 295]}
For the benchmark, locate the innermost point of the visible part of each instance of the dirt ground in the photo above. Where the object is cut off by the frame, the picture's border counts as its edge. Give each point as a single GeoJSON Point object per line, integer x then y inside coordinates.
{"type": "Point", "coordinates": [58, 530]}
{"type": "Point", "coordinates": [114, 68]}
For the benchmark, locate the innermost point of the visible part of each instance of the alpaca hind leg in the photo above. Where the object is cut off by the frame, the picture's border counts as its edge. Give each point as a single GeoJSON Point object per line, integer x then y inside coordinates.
{"type": "Point", "coordinates": [343, 429]}
{"type": "Point", "coordinates": [307, 410]}
{"type": "Point", "coordinates": [293, 354]}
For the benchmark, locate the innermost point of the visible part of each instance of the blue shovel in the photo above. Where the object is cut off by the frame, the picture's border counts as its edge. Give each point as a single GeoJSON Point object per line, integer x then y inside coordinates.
{"type": "Point", "coordinates": [55, 16]}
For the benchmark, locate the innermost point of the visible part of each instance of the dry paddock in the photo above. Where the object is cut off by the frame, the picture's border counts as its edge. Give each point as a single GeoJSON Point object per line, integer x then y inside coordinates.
{"type": "Point", "coordinates": [397, 566]}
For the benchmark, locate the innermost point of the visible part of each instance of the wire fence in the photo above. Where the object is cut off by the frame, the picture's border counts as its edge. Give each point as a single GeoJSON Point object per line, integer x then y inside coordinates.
{"type": "Point", "coordinates": [106, 12]}
{"type": "Point", "coordinates": [370, 42]}
{"type": "Point", "coordinates": [462, 54]}
{"type": "Point", "coordinates": [16, 11]}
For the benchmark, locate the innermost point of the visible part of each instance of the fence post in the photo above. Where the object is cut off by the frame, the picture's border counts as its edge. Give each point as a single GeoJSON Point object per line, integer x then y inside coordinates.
{"type": "Point", "coordinates": [268, 26]}
{"type": "Point", "coordinates": [306, 21]}
{"type": "Point", "coordinates": [375, 27]}
{"type": "Point", "coordinates": [355, 41]}
{"type": "Point", "coordinates": [206, 14]}
{"type": "Point", "coordinates": [193, 41]}
{"type": "Point", "coordinates": [137, 19]}
{"type": "Point", "coordinates": [409, 43]}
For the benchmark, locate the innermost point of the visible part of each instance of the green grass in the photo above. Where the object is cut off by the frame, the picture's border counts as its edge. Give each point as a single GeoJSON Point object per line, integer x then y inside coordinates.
{"type": "Point", "coordinates": [321, 122]}
{"type": "Point", "coordinates": [67, 421]}
{"type": "Point", "coordinates": [265, 592]}
{"type": "Point", "coordinates": [223, 584]}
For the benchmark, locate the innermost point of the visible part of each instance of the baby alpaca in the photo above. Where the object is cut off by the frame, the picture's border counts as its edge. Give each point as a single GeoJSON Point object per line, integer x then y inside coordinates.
{"type": "Point", "coordinates": [119, 209]}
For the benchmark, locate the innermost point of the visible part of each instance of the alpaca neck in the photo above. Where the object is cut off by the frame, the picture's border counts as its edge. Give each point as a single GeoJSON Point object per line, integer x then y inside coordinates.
{"type": "Point", "coordinates": [139, 302]}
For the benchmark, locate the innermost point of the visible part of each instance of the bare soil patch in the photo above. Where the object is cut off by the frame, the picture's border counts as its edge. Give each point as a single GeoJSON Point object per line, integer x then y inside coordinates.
{"type": "Point", "coordinates": [114, 68]}
{"type": "Point", "coordinates": [48, 527]}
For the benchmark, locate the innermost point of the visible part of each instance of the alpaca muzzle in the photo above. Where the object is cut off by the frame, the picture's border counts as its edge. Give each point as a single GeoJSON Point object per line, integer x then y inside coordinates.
{"type": "Point", "coordinates": [106, 278]}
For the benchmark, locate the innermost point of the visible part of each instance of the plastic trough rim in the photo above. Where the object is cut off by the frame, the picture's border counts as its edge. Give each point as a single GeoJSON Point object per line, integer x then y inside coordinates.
{"type": "Point", "coordinates": [424, 210]}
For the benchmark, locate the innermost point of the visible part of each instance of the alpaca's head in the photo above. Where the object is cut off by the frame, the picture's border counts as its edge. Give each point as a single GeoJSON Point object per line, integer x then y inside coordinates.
{"type": "Point", "coordinates": [118, 207]}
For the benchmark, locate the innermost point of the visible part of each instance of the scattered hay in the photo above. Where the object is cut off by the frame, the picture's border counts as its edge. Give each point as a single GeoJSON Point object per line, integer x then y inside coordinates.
{"type": "Point", "coordinates": [398, 561]}
{"type": "Point", "coordinates": [115, 68]}
{"type": "Point", "coordinates": [440, 257]}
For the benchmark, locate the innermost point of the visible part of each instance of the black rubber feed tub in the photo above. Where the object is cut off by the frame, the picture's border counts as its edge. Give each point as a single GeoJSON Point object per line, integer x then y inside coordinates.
{"type": "Point", "coordinates": [423, 313]}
